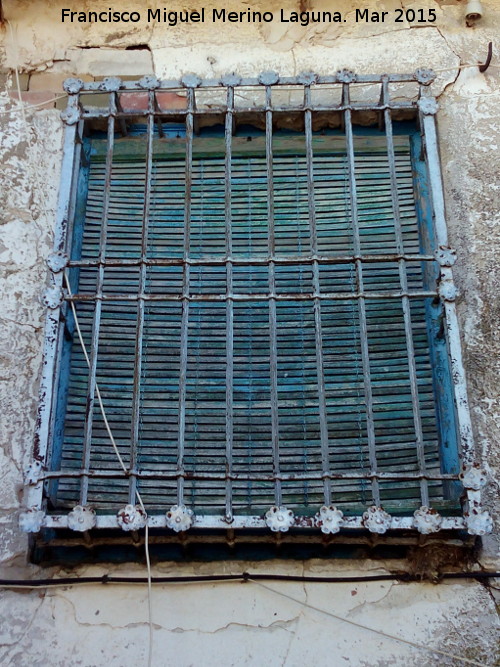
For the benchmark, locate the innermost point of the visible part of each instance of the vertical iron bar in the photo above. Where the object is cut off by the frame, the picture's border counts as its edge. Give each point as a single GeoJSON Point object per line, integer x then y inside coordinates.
{"type": "Point", "coordinates": [317, 303]}
{"type": "Point", "coordinates": [69, 168]}
{"type": "Point", "coordinates": [419, 439]}
{"type": "Point", "coordinates": [229, 303]}
{"type": "Point", "coordinates": [136, 395]}
{"type": "Point", "coordinates": [96, 322]}
{"type": "Point", "coordinates": [370, 426]}
{"type": "Point", "coordinates": [458, 374]}
{"type": "Point", "coordinates": [185, 294]}
{"type": "Point", "coordinates": [273, 346]}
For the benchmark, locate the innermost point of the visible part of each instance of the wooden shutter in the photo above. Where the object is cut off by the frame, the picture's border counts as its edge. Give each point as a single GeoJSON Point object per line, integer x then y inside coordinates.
{"type": "Point", "coordinates": [298, 410]}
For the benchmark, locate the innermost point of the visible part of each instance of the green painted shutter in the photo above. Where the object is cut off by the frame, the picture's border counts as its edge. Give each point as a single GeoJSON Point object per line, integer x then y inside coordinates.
{"type": "Point", "coordinates": [299, 431]}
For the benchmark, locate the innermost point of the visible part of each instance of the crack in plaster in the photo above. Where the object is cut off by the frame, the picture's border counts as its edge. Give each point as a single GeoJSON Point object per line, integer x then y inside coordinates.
{"type": "Point", "coordinates": [412, 27]}
{"type": "Point", "coordinates": [297, 619]}
{"type": "Point", "coordinates": [451, 83]}
{"type": "Point", "coordinates": [21, 324]}
{"type": "Point", "coordinates": [354, 610]}
{"type": "Point", "coordinates": [277, 624]}
{"type": "Point", "coordinates": [280, 624]}
{"type": "Point", "coordinates": [17, 642]}
{"type": "Point", "coordinates": [294, 59]}
{"type": "Point", "coordinates": [292, 637]}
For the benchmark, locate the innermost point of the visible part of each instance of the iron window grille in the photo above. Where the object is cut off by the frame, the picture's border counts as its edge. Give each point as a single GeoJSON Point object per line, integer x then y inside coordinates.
{"type": "Point", "coordinates": [269, 312]}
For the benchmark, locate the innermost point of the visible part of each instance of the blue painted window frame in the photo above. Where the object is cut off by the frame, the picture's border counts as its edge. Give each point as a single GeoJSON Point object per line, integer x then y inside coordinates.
{"type": "Point", "coordinates": [443, 389]}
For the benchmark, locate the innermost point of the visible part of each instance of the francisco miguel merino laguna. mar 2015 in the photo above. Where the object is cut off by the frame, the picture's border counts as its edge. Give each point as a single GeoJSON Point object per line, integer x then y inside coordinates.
{"type": "Point", "coordinates": [202, 15]}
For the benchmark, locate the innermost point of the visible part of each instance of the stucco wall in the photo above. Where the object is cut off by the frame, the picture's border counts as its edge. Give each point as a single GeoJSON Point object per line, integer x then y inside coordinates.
{"type": "Point", "coordinates": [235, 623]}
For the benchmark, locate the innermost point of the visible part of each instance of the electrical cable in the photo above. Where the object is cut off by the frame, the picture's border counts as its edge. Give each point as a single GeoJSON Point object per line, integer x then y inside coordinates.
{"type": "Point", "coordinates": [256, 579]}
{"type": "Point", "coordinates": [124, 468]}
{"type": "Point", "coordinates": [106, 579]}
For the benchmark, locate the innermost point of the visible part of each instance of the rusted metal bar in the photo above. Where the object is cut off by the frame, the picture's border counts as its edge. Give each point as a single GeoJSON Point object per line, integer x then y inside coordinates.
{"type": "Point", "coordinates": [365, 354]}
{"type": "Point", "coordinates": [257, 260]}
{"type": "Point", "coordinates": [155, 111]}
{"type": "Point", "coordinates": [428, 124]}
{"type": "Point", "coordinates": [258, 109]}
{"type": "Point", "coordinates": [261, 296]}
{"type": "Point", "coordinates": [415, 400]}
{"type": "Point", "coordinates": [176, 84]}
{"type": "Point", "coordinates": [136, 397]}
{"type": "Point", "coordinates": [458, 373]}
{"type": "Point", "coordinates": [69, 174]}
{"type": "Point", "coordinates": [229, 303]}
{"type": "Point", "coordinates": [273, 346]}
{"type": "Point", "coordinates": [247, 477]}
{"type": "Point", "coordinates": [323, 424]}
{"type": "Point", "coordinates": [185, 293]}
{"type": "Point", "coordinates": [211, 521]}
{"type": "Point", "coordinates": [94, 344]}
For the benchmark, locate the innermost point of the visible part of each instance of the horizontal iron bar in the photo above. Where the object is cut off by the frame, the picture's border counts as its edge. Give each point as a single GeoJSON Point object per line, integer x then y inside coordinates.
{"type": "Point", "coordinates": [169, 84]}
{"type": "Point", "coordinates": [242, 522]}
{"type": "Point", "coordinates": [249, 261]}
{"type": "Point", "coordinates": [245, 477]}
{"type": "Point", "coordinates": [329, 296]}
{"type": "Point", "coordinates": [217, 111]}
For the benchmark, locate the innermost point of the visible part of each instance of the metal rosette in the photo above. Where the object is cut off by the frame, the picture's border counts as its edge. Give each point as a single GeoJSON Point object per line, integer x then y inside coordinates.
{"type": "Point", "coordinates": [474, 477]}
{"type": "Point", "coordinates": [447, 290]}
{"type": "Point", "coordinates": [346, 76]}
{"type": "Point", "coordinates": [279, 519]}
{"type": "Point", "coordinates": [307, 78]}
{"type": "Point", "coordinates": [57, 261]}
{"type": "Point", "coordinates": [53, 297]}
{"type": "Point", "coordinates": [132, 517]}
{"type": "Point", "coordinates": [81, 518]}
{"type": "Point", "coordinates": [71, 115]}
{"type": "Point", "coordinates": [478, 521]}
{"type": "Point", "coordinates": [329, 519]}
{"type": "Point", "coordinates": [73, 85]}
{"type": "Point", "coordinates": [427, 520]}
{"type": "Point", "coordinates": [428, 106]}
{"type": "Point", "coordinates": [110, 84]}
{"type": "Point", "coordinates": [446, 256]}
{"type": "Point", "coordinates": [190, 81]}
{"type": "Point", "coordinates": [31, 521]}
{"type": "Point", "coordinates": [269, 78]}
{"type": "Point", "coordinates": [33, 473]}
{"type": "Point", "coordinates": [424, 76]}
{"type": "Point", "coordinates": [179, 518]}
{"type": "Point", "coordinates": [231, 80]}
{"type": "Point", "coordinates": [376, 520]}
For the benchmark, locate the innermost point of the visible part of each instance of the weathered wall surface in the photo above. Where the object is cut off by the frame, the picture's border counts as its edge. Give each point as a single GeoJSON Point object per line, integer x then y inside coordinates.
{"type": "Point", "coordinates": [239, 624]}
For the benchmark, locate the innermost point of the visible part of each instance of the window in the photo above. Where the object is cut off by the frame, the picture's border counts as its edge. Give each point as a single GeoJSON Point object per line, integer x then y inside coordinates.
{"type": "Point", "coordinates": [262, 281]}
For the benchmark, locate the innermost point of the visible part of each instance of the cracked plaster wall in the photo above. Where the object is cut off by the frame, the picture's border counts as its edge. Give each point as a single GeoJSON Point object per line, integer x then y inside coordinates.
{"type": "Point", "coordinates": [243, 624]}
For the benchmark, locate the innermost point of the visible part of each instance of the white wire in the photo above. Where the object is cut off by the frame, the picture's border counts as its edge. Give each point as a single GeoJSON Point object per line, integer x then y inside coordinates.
{"type": "Point", "coordinates": [387, 635]}
{"type": "Point", "coordinates": [26, 107]}
{"type": "Point", "coordinates": [124, 468]}
{"type": "Point", "coordinates": [16, 68]}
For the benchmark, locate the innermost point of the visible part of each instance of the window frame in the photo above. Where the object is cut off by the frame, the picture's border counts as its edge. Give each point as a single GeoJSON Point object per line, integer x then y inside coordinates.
{"type": "Point", "coordinates": [431, 209]}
